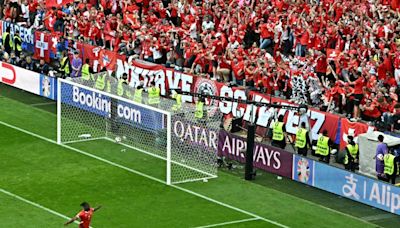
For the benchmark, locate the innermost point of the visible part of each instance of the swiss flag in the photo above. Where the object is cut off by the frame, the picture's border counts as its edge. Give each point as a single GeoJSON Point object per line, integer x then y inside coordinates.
{"type": "Point", "coordinates": [57, 3]}
{"type": "Point", "coordinates": [93, 54]}
{"type": "Point", "coordinates": [332, 54]}
{"type": "Point", "coordinates": [108, 59]}
{"type": "Point", "coordinates": [352, 128]}
{"type": "Point", "coordinates": [54, 42]}
{"type": "Point", "coordinates": [42, 46]}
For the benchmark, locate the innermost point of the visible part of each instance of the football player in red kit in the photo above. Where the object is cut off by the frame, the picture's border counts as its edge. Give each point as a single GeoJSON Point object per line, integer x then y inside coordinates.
{"type": "Point", "coordinates": [84, 216]}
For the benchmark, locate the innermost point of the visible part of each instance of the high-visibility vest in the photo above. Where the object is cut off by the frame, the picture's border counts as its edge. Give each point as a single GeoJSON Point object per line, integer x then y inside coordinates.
{"type": "Point", "coordinates": [66, 67]}
{"type": "Point", "coordinates": [18, 47]}
{"type": "Point", "coordinates": [178, 105]}
{"type": "Point", "coordinates": [120, 87]}
{"type": "Point", "coordinates": [353, 150]}
{"type": "Point", "coordinates": [4, 37]}
{"type": "Point", "coordinates": [388, 160]}
{"type": "Point", "coordinates": [137, 96]}
{"type": "Point", "coordinates": [154, 95]}
{"type": "Point", "coordinates": [301, 138]}
{"type": "Point", "coordinates": [101, 81]}
{"type": "Point", "coordinates": [277, 131]}
{"type": "Point", "coordinates": [199, 110]}
{"type": "Point", "coordinates": [322, 145]}
{"type": "Point", "coordinates": [86, 72]}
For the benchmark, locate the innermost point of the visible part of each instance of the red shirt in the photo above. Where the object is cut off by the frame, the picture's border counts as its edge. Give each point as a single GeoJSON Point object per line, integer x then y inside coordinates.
{"type": "Point", "coordinates": [85, 217]}
{"type": "Point", "coordinates": [236, 68]}
{"type": "Point", "coordinates": [397, 61]}
{"type": "Point", "coordinates": [321, 65]}
{"type": "Point", "coordinates": [304, 38]}
{"type": "Point", "coordinates": [374, 113]}
{"type": "Point", "coordinates": [358, 86]}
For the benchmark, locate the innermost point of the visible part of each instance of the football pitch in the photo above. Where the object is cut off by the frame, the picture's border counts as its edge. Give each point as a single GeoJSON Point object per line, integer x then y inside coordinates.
{"type": "Point", "coordinates": [42, 184]}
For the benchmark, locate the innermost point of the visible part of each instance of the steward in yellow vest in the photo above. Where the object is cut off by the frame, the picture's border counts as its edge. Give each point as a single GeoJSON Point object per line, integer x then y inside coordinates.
{"type": "Point", "coordinates": [87, 72]}
{"type": "Point", "coordinates": [391, 169]}
{"type": "Point", "coordinates": [7, 41]}
{"type": "Point", "coordinates": [324, 147]}
{"type": "Point", "coordinates": [154, 95]}
{"type": "Point", "coordinates": [178, 98]}
{"type": "Point", "coordinates": [302, 140]}
{"type": "Point", "coordinates": [64, 65]}
{"type": "Point", "coordinates": [351, 158]}
{"type": "Point", "coordinates": [102, 82]}
{"type": "Point", "coordinates": [138, 95]}
{"type": "Point", "coordinates": [123, 87]}
{"type": "Point", "coordinates": [17, 44]}
{"type": "Point", "coordinates": [279, 133]}
{"type": "Point", "coordinates": [199, 113]}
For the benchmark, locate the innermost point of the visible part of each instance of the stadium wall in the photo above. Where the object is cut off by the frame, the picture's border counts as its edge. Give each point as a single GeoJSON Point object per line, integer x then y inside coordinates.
{"type": "Point", "coordinates": [350, 185]}
{"type": "Point", "coordinates": [29, 81]}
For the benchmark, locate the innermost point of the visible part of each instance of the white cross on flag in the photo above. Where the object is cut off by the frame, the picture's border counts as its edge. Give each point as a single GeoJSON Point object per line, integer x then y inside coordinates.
{"type": "Point", "coordinates": [332, 54]}
{"type": "Point", "coordinates": [42, 46]}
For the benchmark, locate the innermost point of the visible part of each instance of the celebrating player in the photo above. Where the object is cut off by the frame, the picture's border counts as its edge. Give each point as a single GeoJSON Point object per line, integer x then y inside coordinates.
{"type": "Point", "coordinates": [85, 215]}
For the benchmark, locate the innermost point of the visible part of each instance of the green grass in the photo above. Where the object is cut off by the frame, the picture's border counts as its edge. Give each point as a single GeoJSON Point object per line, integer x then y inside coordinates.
{"type": "Point", "coordinates": [59, 178]}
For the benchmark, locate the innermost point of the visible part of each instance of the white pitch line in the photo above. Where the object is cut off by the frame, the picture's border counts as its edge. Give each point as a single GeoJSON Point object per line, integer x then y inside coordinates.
{"type": "Point", "coordinates": [144, 175]}
{"type": "Point", "coordinates": [42, 104]}
{"type": "Point", "coordinates": [229, 223]}
{"type": "Point", "coordinates": [35, 205]}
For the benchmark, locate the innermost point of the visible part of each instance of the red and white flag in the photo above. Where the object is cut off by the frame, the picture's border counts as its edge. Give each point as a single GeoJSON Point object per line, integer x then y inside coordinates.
{"type": "Point", "coordinates": [57, 3]}
{"type": "Point", "coordinates": [332, 54]}
{"type": "Point", "coordinates": [42, 46]}
{"type": "Point", "coordinates": [108, 59]}
{"type": "Point", "coordinates": [54, 41]}
{"type": "Point", "coordinates": [352, 128]}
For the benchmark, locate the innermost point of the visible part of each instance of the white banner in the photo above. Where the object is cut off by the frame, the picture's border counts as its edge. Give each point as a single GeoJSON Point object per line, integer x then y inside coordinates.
{"type": "Point", "coordinates": [20, 78]}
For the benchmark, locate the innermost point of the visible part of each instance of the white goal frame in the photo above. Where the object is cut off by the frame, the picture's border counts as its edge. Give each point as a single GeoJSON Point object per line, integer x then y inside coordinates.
{"type": "Point", "coordinates": [168, 124]}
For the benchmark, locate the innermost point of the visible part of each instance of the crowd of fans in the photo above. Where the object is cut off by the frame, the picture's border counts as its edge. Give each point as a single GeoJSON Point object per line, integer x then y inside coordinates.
{"type": "Point", "coordinates": [338, 55]}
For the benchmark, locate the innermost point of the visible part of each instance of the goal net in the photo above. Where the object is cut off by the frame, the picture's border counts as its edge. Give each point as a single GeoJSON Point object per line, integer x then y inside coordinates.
{"type": "Point", "coordinates": [88, 111]}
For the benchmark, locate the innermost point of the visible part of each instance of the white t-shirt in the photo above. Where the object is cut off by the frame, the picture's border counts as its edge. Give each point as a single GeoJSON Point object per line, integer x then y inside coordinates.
{"type": "Point", "coordinates": [156, 53]}
{"type": "Point", "coordinates": [207, 25]}
{"type": "Point", "coordinates": [25, 11]}
{"type": "Point", "coordinates": [193, 31]}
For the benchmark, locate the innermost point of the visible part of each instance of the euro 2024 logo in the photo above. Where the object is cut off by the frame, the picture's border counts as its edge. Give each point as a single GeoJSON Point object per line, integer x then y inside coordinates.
{"type": "Point", "coordinates": [46, 87]}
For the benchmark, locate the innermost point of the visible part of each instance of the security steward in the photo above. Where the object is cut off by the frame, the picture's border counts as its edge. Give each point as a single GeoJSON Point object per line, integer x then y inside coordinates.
{"type": "Point", "coordinates": [352, 154]}
{"type": "Point", "coordinates": [7, 41]}
{"type": "Point", "coordinates": [122, 87]}
{"type": "Point", "coordinates": [391, 169]}
{"type": "Point", "coordinates": [17, 44]}
{"type": "Point", "coordinates": [199, 114]}
{"type": "Point", "coordinates": [178, 98]}
{"type": "Point", "coordinates": [87, 71]}
{"type": "Point", "coordinates": [102, 82]}
{"type": "Point", "coordinates": [138, 94]}
{"type": "Point", "coordinates": [279, 133]}
{"type": "Point", "coordinates": [324, 147]}
{"type": "Point", "coordinates": [154, 95]}
{"type": "Point", "coordinates": [302, 140]}
{"type": "Point", "coordinates": [64, 65]}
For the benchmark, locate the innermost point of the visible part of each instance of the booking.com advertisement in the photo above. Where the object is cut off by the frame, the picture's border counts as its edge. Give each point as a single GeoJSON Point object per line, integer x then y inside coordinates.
{"type": "Point", "coordinates": [357, 187]}
{"type": "Point", "coordinates": [101, 105]}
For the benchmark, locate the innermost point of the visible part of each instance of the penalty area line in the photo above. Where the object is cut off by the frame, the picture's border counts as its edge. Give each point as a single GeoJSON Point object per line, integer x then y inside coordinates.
{"type": "Point", "coordinates": [229, 223]}
{"type": "Point", "coordinates": [35, 204]}
{"type": "Point", "coordinates": [144, 175]}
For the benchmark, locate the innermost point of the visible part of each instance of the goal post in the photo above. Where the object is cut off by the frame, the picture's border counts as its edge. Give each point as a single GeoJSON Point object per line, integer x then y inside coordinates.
{"type": "Point", "coordinates": [85, 113]}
